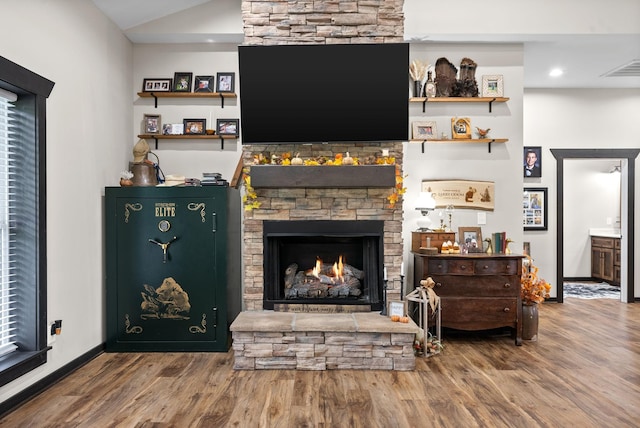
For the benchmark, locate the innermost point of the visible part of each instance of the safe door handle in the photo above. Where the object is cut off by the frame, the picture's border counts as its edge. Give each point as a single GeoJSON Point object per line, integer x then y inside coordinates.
{"type": "Point", "coordinates": [164, 246]}
{"type": "Point", "coordinates": [214, 222]}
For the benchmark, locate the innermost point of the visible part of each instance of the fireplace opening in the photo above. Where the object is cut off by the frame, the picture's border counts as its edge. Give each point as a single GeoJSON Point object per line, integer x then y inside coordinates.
{"type": "Point", "coordinates": [323, 262]}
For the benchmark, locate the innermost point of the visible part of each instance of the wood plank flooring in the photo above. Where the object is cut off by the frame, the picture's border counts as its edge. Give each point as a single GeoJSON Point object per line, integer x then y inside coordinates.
{"type": "Point", "coordinates": [584, 371]}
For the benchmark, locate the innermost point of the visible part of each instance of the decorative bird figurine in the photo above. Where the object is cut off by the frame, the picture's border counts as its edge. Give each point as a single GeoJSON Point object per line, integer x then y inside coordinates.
{"type": "Point", "coordinates": [482, 133]}
{"type": "Point", "coordinates": [507, 250]}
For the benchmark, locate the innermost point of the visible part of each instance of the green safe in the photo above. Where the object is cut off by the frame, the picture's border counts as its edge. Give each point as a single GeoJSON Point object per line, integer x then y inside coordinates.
{"type": "Point", "coordinates": [166, 268]}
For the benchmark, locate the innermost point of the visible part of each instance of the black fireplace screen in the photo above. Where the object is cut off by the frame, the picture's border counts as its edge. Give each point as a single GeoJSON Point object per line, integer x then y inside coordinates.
{"type": "Point", "coordinates": [323, 262]}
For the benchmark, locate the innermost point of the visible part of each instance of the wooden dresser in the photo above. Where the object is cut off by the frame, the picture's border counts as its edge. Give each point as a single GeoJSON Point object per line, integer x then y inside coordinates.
{"type": "Point", "coordinates": [478, 291]}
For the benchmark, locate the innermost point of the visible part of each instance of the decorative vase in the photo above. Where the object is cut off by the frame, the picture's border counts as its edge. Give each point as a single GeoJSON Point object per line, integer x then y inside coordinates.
{"type": "Point", "coordinates": [530, 321]}
{"type": "Point", "coordinates": [417, 88]}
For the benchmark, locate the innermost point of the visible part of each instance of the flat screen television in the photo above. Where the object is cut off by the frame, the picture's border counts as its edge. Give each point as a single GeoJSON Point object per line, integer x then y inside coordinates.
{"type": "Point", "coordinates": [292, 94]}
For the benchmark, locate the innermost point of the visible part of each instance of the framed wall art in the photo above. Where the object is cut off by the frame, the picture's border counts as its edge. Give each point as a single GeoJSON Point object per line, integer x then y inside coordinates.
{"type": "Point", "coordinates": [203, 84]}
{"type": "Point", "coordinates": [195, 126]}
{"type": "Point", "coordinates": [151, 124]}
{"type": "Point", "coordinates": [492, 85]}
{"type": "Point", "coordinates": [182, 82]}
{"type": "Point", "coordinates": [461, 128]}
{"type": "Point", "coordinates": [534, 208]}
{"type": "Point", "coordinates": [227, 126]}
{"type": "Point", "coordinates": [532, 162]}
{"type": "Point", "coordinates": [156, 85]}
{"type": "Point", "coordinates": [225, 82]}
{"type": "Point", "coordinates": [426, 130]}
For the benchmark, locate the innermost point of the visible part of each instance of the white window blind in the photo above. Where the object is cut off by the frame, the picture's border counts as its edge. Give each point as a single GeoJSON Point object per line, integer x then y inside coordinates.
{"type": "Point", "coordinates": [8, 309]}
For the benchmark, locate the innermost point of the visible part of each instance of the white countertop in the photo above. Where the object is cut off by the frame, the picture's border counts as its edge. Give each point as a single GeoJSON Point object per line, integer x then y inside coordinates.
{"type": "Point", "coordinates": [605, 232]}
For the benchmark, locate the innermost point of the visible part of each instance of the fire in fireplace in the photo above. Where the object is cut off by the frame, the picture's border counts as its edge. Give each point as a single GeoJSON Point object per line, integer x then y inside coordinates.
{"type": "Point", "coordinates": [323, 262]}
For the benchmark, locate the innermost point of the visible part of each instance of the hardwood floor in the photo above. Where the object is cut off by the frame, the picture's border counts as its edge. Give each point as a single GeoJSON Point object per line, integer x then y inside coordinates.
{"type": "Point", "coordinates": [584, 371]}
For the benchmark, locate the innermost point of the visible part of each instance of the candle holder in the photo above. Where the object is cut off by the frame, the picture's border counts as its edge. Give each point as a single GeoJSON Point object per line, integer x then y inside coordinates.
{"type": "Point", "coordinates": [401, 286]}
{"type": "Point", "coordinates": [384, 299]}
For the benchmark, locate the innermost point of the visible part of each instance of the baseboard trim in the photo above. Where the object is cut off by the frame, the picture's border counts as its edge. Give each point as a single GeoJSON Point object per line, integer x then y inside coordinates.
{"type": "Point", "coordinates": [31, 391]}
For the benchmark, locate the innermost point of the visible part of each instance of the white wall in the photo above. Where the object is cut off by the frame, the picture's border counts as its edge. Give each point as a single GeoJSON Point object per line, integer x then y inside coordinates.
{"type": "Point", "coordinates": [443, 161]}
{"type": "Point", "coordinates": [89, 116]}
{"type": "Point", "coordinates": [187, 157]}
{"type": "Point", "coordinates": [576, 119]}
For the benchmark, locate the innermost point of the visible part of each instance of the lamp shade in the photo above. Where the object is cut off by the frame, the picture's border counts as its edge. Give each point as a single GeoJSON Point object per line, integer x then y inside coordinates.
{"type": "Point", "coordinates": [425, 202]}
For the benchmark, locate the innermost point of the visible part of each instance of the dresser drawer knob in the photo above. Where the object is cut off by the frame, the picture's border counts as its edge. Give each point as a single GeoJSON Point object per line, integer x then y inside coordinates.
{"type": "Point", "coordinates": [463, 267]}
{"type": "Point", "coordinates": [507, 285]}
{"type": "Point", "coordinates": [506, 309]}
{"type": "Point", "coordinates": [439, 266]}
{"type": "Point", "coordinates": [438, 284]}
{"type": "Point", "coordinates": [485, 267]}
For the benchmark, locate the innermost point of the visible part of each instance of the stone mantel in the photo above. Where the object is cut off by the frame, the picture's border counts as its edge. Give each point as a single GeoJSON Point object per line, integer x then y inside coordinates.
{"type": "Point", "coordinates": [296, 176]}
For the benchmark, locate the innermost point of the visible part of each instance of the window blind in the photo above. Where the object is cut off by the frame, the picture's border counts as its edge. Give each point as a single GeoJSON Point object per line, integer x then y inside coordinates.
{"type": "Point", "coordinates": [8, 301]}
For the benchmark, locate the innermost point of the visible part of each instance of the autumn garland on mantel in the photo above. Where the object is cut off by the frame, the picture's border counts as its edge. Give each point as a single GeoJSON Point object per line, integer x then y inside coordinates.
{"type": "Point", "coordinates": [250, 199]}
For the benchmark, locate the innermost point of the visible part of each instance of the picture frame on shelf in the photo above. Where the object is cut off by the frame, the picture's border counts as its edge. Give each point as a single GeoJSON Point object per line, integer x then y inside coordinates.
{"type": "Point", "coordinates": [493, 85]}
{"type": "Point", "coordinates": [173, 129]}
{"type": "Point", "coordinates": [534, 208]}
{"type": "Point", "coordinates": [397, 307]}
{"type": "Point", "coordinates": [532, 162]}
{"type": "Point", "coordinates": [424, 130]}
{"type": "Point", "coordinates": [195, 126]}
{"type": "Point", "coordinates": [156, 85]}
{"type": "Point", "coordinates": [461, 128]}
{"type": "Point", "coordinates": [471, 236]}
{"type": "Point", "coordinates": [204, 84]}
{"type": "Point", "coordinates": [225, 82]}
{"type": "Point", "coordinates": [182, 82]}
{"type": "Point", "coordinates": [151, 124]}
{"type": "Point", "coordinates": [227, 127]}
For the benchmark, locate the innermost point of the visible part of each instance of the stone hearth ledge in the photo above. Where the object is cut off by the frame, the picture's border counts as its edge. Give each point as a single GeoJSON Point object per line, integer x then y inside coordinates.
{"type": "Point", "coordinates": [305, 341]}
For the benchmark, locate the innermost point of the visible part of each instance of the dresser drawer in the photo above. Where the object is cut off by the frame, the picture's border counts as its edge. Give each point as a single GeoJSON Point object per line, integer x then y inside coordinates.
{"type": "Point", "coordinates": [496, 267]}
{"type": "Point", "coordinates": [479, 313]}
{"type": "Point", "coordinates": [450, 266]}
{"type": "Point", "coordinates": [486, 286]}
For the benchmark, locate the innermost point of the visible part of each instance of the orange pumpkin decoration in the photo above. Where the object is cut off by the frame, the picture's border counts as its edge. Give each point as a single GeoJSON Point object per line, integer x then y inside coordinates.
{"type": "Point", "coordinates": [404, 320]}
{"type": "Point", "coordinates": [395, 318]}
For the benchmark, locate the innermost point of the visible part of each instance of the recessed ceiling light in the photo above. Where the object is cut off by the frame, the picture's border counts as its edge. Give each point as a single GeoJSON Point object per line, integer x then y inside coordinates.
{"type": "Point", "coordinates": [556, 72]}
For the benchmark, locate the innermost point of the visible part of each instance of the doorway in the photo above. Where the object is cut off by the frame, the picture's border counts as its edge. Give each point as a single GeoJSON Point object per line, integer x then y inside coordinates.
{"type": "Point", "coordinates": [628, 157]}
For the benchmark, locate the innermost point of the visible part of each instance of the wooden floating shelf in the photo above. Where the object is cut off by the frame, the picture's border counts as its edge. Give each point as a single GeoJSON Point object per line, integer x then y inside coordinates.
{"type": "Point", "coordinates": [187, 95]}
{"type": "Point", "coordinates": [487, 141]}
{"type": "Point", "coordinates": [157, 137]}
{"type": "Point", "coordinates": [458, 99]}
{"type": "Point", "coordinates": [323, 176]}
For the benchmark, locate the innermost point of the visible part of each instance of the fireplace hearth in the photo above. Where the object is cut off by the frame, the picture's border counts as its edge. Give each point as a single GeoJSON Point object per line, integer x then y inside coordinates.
{"type": "Point", "coordinates": [323, 262]}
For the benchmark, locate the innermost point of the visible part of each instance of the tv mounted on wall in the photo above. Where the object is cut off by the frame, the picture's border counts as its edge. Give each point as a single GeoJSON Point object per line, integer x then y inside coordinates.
{"type": "Point", "coordinates": [292, 94]}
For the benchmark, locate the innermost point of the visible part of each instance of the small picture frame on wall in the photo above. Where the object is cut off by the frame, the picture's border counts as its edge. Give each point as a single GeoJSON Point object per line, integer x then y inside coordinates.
{"type": "Point", "coordinates": [156, 85]}
{"type": "Point", "coordinates": [427, 130]}
{"type": "Point", "coordinates": [225, 82]}
{"type": "Point", "coordinates": [151, 124]}
{"type": "Point", "coordinates": [532, 162]}
{"type": "Point", "coordinates": [461, 128]}
{"type": "Point", "coordinates": [492, 85]}
{"type": "Point", "coordinates": [182, 82]}
{"type": "Point", "coordinates": [203, 84]}
{"type": "Point", "coordinates": [534, 208]}
{"type": "Point", "coordinates": [195, 126]}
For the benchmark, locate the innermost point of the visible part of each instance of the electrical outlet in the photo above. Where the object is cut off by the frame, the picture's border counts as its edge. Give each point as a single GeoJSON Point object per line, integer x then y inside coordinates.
{"type": "Point", "coordinates": [51, 338]}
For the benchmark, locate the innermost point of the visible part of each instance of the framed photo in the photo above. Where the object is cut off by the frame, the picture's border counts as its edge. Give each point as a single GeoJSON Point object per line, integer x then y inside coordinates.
{"type": "Point", "coordinates": [173, 129]}
{"type": "Point", "coordinates": [204, 84]}
{"type": "Point", "coordinates": [424, 130]}
{"type": "Point", "coordinates": [397, 307]}
{"type": "Point", "coordinates": [151, 124]}
{"type": "Point", "coordinates": [226, 82]}
{"type": "Point", "coordinates": [492, 85]}
{"type": "Point", "coordinates": [532, 162]}
{"type": "Point", "coordinates": [156, 85]}
{"type": "Point", "coordinates": [472, 236]}
{"type": "Point", "coordinates": [227, 126]}
{"type": "Point", "coordinates": [461, 128]}
{"type": "Point", "coordinates": [195, 126]}
{"type": "Point", "coordinates": [182, 82]}
{"type": "Point", "coordinates": [534, 208]}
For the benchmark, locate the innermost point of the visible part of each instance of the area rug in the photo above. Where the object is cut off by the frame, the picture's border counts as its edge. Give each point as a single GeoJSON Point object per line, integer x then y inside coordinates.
{"type": "Point", "coordinates": [591, 290]}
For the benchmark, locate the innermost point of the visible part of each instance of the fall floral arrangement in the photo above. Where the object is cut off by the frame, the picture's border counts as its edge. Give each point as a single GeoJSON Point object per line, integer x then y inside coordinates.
{"type": "Point", "coordinates": [285, 159]}
{"type": "Point", "coordinates": [533, 289]}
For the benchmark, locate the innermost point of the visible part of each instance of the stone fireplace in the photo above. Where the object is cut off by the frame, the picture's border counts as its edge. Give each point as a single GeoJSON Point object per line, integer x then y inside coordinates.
{"type": "Point", "coordinates": [264, 339]}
